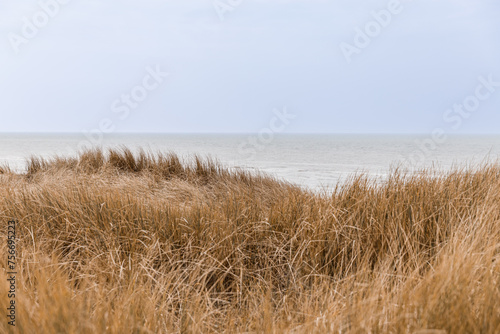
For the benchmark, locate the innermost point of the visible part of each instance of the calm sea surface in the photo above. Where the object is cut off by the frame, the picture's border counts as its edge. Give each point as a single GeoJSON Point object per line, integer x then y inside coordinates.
{"type": "Point", "coordinates": [314, 161]}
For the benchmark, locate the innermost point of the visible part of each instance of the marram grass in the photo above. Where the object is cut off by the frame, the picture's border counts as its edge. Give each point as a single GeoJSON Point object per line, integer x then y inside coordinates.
{"type": "Point", "coordinates": [112, 242]}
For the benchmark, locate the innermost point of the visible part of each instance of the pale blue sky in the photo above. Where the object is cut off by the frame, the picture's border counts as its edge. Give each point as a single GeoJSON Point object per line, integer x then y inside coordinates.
{"type": "Point", "coordinates": [228, 76]}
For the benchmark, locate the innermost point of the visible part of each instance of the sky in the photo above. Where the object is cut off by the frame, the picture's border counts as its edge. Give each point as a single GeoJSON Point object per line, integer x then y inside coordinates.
{"type": "Point", "coordinates": [230, 66]}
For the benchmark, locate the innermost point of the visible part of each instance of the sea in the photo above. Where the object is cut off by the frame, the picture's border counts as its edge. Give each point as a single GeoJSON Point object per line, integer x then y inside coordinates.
{"type": "Point", "coordinates": [318, 162]}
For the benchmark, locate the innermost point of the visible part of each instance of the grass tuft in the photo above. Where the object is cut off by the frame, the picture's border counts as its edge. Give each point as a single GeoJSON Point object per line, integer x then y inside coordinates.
{"type": "Point", "coordinates": [122, 242]}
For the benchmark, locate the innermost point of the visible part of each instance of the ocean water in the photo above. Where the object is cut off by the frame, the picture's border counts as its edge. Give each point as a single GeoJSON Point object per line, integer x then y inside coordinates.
{"type": "Point", "coordinates": [314, 161]}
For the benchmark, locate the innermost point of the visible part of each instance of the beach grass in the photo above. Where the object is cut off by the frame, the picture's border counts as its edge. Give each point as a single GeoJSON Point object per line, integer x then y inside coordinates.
{"type": "Point", "coordinates": [121, 242]}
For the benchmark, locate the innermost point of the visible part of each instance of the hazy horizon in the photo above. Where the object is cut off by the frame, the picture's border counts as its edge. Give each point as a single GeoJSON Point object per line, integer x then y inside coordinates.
{"type": "Point", "coordinates": [410, 134]}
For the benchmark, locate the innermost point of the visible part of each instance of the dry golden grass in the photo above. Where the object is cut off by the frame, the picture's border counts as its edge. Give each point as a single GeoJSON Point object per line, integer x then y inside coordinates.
{"type": "Point", "coordinates": [110, 242]}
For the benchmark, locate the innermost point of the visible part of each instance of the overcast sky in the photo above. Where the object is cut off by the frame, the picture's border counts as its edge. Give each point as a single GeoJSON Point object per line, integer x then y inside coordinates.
{"type": "Point", "coordinates": [230, 63]}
